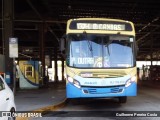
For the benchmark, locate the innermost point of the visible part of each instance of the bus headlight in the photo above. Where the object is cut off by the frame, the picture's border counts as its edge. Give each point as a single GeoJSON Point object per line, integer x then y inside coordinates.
{"type": "Point", "coordinates": [74, 82]}
{"type": "Point", "coordinates": [133, 79]}
{"type": "Point", "coordinates": [130, 81]}
{"type": "Point", "coordinates": [70, 79]}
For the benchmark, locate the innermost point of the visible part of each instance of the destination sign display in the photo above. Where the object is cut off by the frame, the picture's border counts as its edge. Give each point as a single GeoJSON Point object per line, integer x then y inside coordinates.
{"type": "Point", "coordinates": [100, 25]}
{"type": "Point", "coordinates": [96, 26]}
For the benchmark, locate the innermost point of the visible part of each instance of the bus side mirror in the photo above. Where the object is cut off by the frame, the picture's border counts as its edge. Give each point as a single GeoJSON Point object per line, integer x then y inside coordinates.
{"type": "Point", "coordinates": [137, 49]}
{"type": "Point", "coordinates": [62, 46]}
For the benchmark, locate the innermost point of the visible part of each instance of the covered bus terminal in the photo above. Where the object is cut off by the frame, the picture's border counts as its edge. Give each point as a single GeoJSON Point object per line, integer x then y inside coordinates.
{"type": "Point", "coordinates": [38, 26]}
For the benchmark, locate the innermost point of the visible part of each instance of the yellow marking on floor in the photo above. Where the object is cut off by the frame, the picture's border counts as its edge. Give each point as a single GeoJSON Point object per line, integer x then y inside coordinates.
{"type": "Point", "coordinates": [44, 110]}
{"type": "Point", "coordinates": [22, 118]}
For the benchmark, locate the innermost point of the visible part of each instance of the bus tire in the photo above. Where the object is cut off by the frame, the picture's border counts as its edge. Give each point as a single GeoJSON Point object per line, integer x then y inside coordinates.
{"type": "Point", "coordinates": [68, 100]}
{"type": "Point", "coordinates": [71, 100]}
{"type": "Point", "coordinates": [122, 99]}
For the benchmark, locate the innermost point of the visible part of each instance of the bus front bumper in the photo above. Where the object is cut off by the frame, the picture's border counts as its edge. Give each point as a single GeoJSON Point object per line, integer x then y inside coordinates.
{"type": "Point", "coordinates": [94, 92]}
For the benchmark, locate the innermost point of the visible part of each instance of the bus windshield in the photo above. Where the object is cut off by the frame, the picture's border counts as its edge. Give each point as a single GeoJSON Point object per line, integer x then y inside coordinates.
{"type": "Point", "coordinates": [100, 51]}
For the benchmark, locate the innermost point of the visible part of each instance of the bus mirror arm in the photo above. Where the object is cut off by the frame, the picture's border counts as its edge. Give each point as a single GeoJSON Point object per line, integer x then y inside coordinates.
{"type": "Point", "coordinates": [63, 53]}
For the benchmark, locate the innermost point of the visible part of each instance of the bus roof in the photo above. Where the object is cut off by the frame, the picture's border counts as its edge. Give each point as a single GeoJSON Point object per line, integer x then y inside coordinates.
{"type": "Point", "coordinates": [102, 19]}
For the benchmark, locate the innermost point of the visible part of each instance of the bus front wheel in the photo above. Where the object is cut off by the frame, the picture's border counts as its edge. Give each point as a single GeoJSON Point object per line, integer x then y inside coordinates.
{"type": "Point", "coordinates": [122, 99]}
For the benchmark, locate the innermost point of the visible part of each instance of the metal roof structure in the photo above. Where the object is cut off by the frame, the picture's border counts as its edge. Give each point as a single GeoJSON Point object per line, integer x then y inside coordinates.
{"type": "Point", "coordinates": [28, 14]}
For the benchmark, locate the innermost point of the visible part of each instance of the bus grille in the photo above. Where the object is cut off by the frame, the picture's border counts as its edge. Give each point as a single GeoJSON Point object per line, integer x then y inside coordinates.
{"type": "Point", "coordinates": [102, 90]}
{"type": "Point", "coordinates": [92, 91]}
{"type": "Point", "coordinates": [115, 90]}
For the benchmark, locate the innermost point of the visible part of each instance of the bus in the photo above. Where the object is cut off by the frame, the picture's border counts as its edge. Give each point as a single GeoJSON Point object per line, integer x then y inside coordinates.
{"type": "Point", "coordinates": [100, 59]}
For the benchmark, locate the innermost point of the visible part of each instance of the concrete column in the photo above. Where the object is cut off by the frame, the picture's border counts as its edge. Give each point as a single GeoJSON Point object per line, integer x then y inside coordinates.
{"type": "Point", "coordinates": [62, 69]}
{"type": "Point", "coordinates": [152, 40]}
{"type": "Point", "coordinates": [55, 65]}
{"type": "Point", "coordinates": [41, 47]}
{"type": "Point", "coordinates": [8, 15]}
{"type": "Point", "coordinates": [151, 54]}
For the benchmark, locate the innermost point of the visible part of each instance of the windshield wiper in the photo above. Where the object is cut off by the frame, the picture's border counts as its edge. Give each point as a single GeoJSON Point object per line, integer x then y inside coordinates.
{"type": "Point", "coordinates": [89, 43]}
{"type": "Point", "coordinates": [108, 50]}
{"type": "Point", "coordinates": [108, 47]}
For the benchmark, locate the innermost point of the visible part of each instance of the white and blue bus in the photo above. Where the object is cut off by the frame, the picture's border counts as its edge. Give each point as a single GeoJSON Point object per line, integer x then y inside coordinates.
{"type": "Point", "coordinates": [100, 59]}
